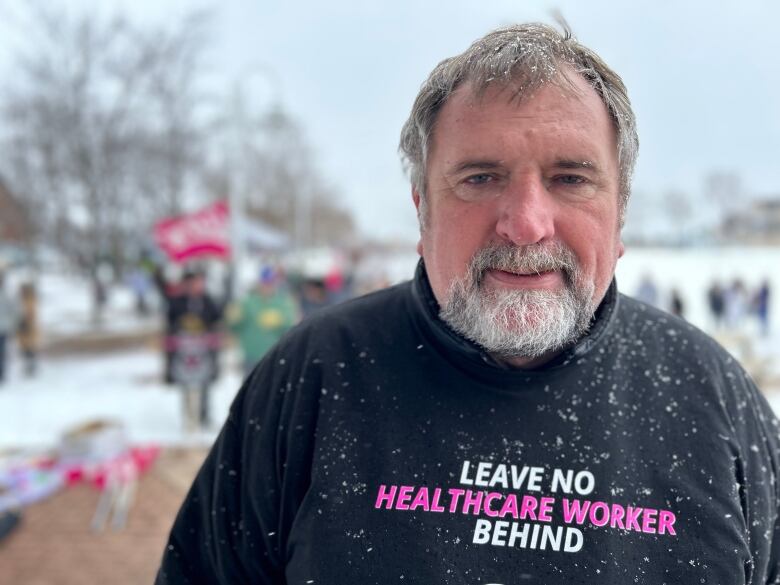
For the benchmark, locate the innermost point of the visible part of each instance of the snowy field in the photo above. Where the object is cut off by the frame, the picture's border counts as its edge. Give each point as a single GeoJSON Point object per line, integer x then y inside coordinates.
{"type": "Point", "coordinates": [127, 386]}
{"type": "Point", "coordinates": [65, 304]}
{"type": "Point", "coordinates": [693, 270]}
{"type": "Point", "coordinates": [124, 387]}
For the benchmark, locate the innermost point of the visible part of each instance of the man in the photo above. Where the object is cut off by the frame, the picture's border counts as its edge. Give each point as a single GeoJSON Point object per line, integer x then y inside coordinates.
{"type": "Point", "coordinates": [7, 323]}
{"type": "Point", "coordinates": [193, 320]}
{"type": "Point", "coordinates": [260, 319]}
{"type": "Point", "coordinates": [761, 303]}
{"type": "Point", "coordinates": [506, 417]}
{"type": "Point", "coordinates": [27, 332]}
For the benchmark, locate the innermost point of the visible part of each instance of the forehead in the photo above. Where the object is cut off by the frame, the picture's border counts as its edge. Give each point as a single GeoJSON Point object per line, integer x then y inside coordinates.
{"type": "Point", "coordinates": [564, 114]}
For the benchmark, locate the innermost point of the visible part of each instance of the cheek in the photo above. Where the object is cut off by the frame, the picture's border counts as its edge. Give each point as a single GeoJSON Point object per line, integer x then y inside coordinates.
{"type": "Point", "coordinates": [607, 260]}
{"type": "Point", "coordinates": [456, 224]}
{"type": "Point", "coordinates": [596, 248]}
{"type": "Point", "coordinates": [451, 239]}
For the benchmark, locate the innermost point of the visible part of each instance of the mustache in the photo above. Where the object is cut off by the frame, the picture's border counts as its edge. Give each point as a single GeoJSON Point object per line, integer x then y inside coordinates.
{"type": "Point", "coordinates": [535, 258]}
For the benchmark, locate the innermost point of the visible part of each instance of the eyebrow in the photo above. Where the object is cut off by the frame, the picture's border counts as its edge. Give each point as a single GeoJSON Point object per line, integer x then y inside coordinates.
{"type": "Point", "coordinates": [474, 165]}
{"type": "Point", "coordinates": [577, 165]}
{"type": "Point", "coordinates": [489, 164]}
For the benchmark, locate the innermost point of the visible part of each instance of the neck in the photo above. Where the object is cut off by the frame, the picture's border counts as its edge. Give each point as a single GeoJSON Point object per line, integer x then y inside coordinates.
{"type": "Point", "coordinates": [527, 363]}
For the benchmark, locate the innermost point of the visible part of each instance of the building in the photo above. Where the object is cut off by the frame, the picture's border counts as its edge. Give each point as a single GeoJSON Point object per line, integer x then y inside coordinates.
{"type": "Point", "coordinates": [757, 224]}
{"type": "Point", "coordinates": [15, 225]}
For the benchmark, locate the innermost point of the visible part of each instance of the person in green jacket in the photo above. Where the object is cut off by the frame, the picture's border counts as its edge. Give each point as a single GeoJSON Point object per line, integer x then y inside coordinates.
{"type": "Point", "coordinates": [262, 317]}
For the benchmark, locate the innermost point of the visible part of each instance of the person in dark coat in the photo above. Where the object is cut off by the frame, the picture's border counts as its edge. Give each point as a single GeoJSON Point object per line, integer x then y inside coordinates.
{"type": "Point", "coordinates": [507, 416]}
{"type": "Point", "coordinates": [677, 304]}
{"type": "Point", "coordinates": [27, 331]}
{"type": "Point", "coordinates": [761, 304]}
{"type": "Point", "coordinates": [194, 320]}
{"type": "Point", "coordinates": [7, 323]}
{"type": "Point", "coordinates": [717, 303]}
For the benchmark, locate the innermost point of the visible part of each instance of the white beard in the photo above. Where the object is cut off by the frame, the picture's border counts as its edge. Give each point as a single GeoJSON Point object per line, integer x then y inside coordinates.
{"type": "Point", "coordinates": [520, 323]}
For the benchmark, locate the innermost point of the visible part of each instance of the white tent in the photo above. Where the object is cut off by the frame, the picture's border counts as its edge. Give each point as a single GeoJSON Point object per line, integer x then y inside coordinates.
{"type": "Point", "coordinates": [260, 237]}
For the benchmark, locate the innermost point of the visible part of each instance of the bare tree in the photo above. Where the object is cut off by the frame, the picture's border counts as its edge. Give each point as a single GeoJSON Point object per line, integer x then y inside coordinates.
{"type": "Point", "coordinates": [272, 165]}
{"type": "Point", "coordinates": [175, 147]}
{"type": "Point", "coordinates": [105, 134]}
{"type": "Point", "coordinates": [101, 130]}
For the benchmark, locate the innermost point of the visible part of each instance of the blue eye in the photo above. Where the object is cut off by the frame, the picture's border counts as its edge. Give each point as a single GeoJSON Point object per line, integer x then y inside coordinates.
{"type": "Point", "coordinates": [480, 179]}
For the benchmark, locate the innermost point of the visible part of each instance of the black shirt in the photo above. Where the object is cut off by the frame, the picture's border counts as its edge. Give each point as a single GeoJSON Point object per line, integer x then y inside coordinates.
{"type": "Point", "coordinates": [374, 446]}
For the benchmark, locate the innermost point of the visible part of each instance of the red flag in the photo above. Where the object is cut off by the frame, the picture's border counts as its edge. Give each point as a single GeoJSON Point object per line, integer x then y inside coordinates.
{"type": "Point", "coordinates": [202, 233]}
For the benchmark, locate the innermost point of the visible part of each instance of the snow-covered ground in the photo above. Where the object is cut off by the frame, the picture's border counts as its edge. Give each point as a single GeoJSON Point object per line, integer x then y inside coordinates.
{"type": "Point", "coordinates": [692, 271]}
{"type": "Point", "coordinates": [127, 387]}
{"type": "Point", "coordinates": [124, 387]}
{"type": "Point", "coordinates": [65, 305]}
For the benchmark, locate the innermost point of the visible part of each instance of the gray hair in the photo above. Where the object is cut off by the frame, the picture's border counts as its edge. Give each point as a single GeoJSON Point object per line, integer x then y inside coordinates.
{"type": "Point", "coordinates": [525, 57]}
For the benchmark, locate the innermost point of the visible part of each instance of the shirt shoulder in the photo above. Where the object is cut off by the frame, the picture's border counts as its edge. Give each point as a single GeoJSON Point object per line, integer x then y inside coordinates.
{"type": "Point", "coordinates": [375, 315]}
{"type": "Point", "coordinates": [665, 336]}
{"type": "Point", "coordinates": [670, 352]}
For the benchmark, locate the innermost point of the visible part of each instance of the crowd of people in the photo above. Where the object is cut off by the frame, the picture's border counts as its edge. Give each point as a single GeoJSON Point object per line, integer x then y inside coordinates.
{"type": "Point", "coordinates": [196, 322]}
{"type": "Point", "coordinates": [730, 306]}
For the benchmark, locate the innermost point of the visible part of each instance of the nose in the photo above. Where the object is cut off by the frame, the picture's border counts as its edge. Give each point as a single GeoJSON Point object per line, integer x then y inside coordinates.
{"type": "Point", "coordinates": [527, 212]}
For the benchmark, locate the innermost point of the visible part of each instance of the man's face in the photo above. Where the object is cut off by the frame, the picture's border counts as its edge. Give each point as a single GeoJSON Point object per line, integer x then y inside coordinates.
{"type": "Point", "coordinates": [522, 212]}
{"type": "Point", "coordinates": [196, 286]}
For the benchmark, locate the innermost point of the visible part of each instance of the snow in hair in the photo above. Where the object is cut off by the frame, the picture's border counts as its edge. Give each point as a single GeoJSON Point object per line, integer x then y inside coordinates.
{"type": "Point", "coordinates": [525, 57]}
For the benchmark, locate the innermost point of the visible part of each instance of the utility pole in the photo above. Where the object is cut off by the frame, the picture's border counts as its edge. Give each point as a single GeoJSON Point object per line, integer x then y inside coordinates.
{"type": "Point", "coordinates": [241, 119]}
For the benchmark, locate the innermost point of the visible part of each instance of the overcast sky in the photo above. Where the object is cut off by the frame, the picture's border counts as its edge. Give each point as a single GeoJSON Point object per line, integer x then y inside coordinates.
{"type": "Point", "coordinates": [704, 80]}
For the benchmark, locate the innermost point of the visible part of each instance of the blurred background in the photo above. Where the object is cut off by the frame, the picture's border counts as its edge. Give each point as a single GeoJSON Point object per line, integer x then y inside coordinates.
{"type": "Point", "coordinates": [181, 182]}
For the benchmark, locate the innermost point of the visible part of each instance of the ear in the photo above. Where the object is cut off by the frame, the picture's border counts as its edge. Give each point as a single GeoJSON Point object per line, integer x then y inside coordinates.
{"type": "Point", "coordinates": [621, 249]}
{"type": "Point", "coordinates": [416, 200]}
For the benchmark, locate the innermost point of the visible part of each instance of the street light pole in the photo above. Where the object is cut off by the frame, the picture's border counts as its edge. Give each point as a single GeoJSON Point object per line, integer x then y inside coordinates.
{"type": "Point", "coordinates": [239, 185]}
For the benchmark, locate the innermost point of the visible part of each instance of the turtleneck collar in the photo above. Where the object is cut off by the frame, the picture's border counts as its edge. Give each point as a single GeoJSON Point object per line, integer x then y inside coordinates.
{"type": "Point", "coordinates": [475, 356]}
